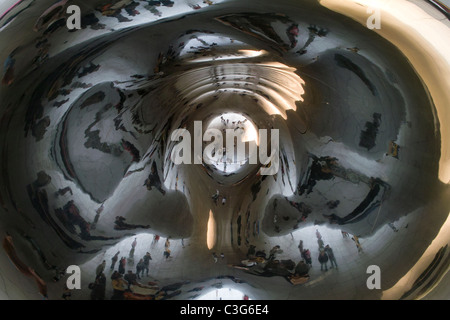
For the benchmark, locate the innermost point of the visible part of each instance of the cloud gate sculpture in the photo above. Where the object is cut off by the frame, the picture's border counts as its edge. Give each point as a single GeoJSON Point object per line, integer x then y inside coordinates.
{"type": "Point", "coordinates": [121, 173]}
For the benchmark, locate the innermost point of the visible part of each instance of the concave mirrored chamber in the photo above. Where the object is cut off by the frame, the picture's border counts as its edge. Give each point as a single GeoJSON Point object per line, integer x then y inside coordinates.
{"type": "Point", "coordinates": [92, 120]}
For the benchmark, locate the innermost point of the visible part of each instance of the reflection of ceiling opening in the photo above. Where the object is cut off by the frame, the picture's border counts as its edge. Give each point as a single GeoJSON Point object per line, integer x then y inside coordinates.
{"type": "Point", "coordinates": [230, 159]}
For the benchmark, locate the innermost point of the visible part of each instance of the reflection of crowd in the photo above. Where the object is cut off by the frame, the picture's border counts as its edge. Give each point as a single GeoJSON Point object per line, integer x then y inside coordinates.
{"type": "Point", "coordinates": [258, 263]}
{"type": "Point", "coordinates": [127, 284]}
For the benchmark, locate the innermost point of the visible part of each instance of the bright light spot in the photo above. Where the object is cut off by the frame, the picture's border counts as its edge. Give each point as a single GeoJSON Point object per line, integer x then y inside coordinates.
{"type": "Point", "coordinates": [252, 53]}
{"type": "Point", "coordinates": [211, 231]}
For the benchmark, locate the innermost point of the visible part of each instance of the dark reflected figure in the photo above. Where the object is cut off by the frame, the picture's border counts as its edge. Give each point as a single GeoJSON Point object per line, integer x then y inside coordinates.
{"type": "Point", "coordinates": [301, 207]}
{"type": "Point", "coordinates": [330, 255]}
{"type": "Point", "coordinates": [320, 243]}
{"type": "Point", "coordinates": [100, 268]}
{"type": "Point", "coordinates": [321, 169]}
{"type": "Point", "coordinates": [146, 260]}
{"type": "Point", "coordinates": [58, 274]}
{"type": "Point", "coordinates": [131, 278]}
{"type": "Point", "coordinates": [122, 264]}
{"type": "Point", "coordinates": [167, 243]}
{"type": "Point", "coordinates": [131, 256]}
{"type": "Point", "coordinates": [368, 136]}
{"type": "Point", "coordinates": [140, 268]}
{"type": "Point", "coordinates": [89, 69]}
{"type": "Point", "coordinates": [302, 269]}
{"type": "Point", "coordinates": [318, 235]}
{"type": "Point", "coordinates": [120, 224]}
{"type": "Point", "coordinates": [300, 246]}
{"type": "Point", "coordinates": [333, 204]}
{"type": "Point", "coordinates": [98, 287]}
{"type": "Point", "coordinates": [8, 75]}
{"type": "Point", "coordinates": [67, 293]}
{"type": "Point", "coordinates": [114, 260]}
{"type": "Point", "coordinates": [215, 197]}
{"type": "Point", "coordinates": [153, 180]}
{"type": "Point", "coordinates": [70, 216]}
{"type": "Point", "coordinates": [196, 289]}
{"type": "Point", "coordinates": [323, 259]}
{"type": "Point", "coordinates": [251, 252]}
{"type": "Point", "coordinates": [166, 253]}
{"type": "Point", "coordinates": [292, 33]}
{"type": "Point", "coordinates": [119, 286]}
{"type": "Point", "coordinates": [306, 254]}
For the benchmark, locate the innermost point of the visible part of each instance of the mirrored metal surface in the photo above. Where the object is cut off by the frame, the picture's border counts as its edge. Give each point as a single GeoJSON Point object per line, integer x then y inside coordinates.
{"type": "Point", "coordinates": [356, 199]}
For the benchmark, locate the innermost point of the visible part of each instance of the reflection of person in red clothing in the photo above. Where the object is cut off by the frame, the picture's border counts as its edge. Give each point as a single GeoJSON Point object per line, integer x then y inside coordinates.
{"type": "Point", "coordinates": [155, 240]}
{"type": "Point", "coordinates": [292, 33]}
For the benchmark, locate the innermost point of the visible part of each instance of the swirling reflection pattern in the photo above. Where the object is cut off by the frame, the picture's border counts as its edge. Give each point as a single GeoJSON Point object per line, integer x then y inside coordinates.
{"type": "Point", "coordinates": [87, 118]}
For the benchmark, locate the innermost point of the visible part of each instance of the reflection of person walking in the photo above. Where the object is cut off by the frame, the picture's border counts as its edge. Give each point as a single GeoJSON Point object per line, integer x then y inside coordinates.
{"type": "Point", "coordinates": [318, 235]}
{"type": "Point", "coordinates": [100, 268]}
{"type": "Point", "coordinates": [98, 287]}
{"type": "Point", "coordinates": [140, 268]}
{"type": "Point", "coordinates": [134, 243]}
{"type": "Point", "coordinates": [330, 255]}
{"type": "Point", "coordinates": [300, 246]}
{"type": "Point", "coordinates": [114, 260]}
{"type": "Point", "coordinates": [166, 253]}
{"type": "Point", "coordinates": [119, 286]}
{"type": "Point", "coordinates": [323, 259]}
{"type": "Point", "coordinates": [155, 240]}
{"type": "Point", "coordinates": [320, 243]}
{"type": "Point", "coordinates": [358, 245]}
{"type": "Point", "coordinates": [122, 264]}
{"type": "Point", "coordinates": [167, 244]}
{"type": "Point", "coordinates": [306, 254]}
{"type": "Point", "coordinates": [146, 259]}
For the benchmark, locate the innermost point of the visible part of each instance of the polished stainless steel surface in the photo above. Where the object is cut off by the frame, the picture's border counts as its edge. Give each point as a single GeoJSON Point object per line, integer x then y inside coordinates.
{"type": "Point", "coordinates": [364, 163]}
